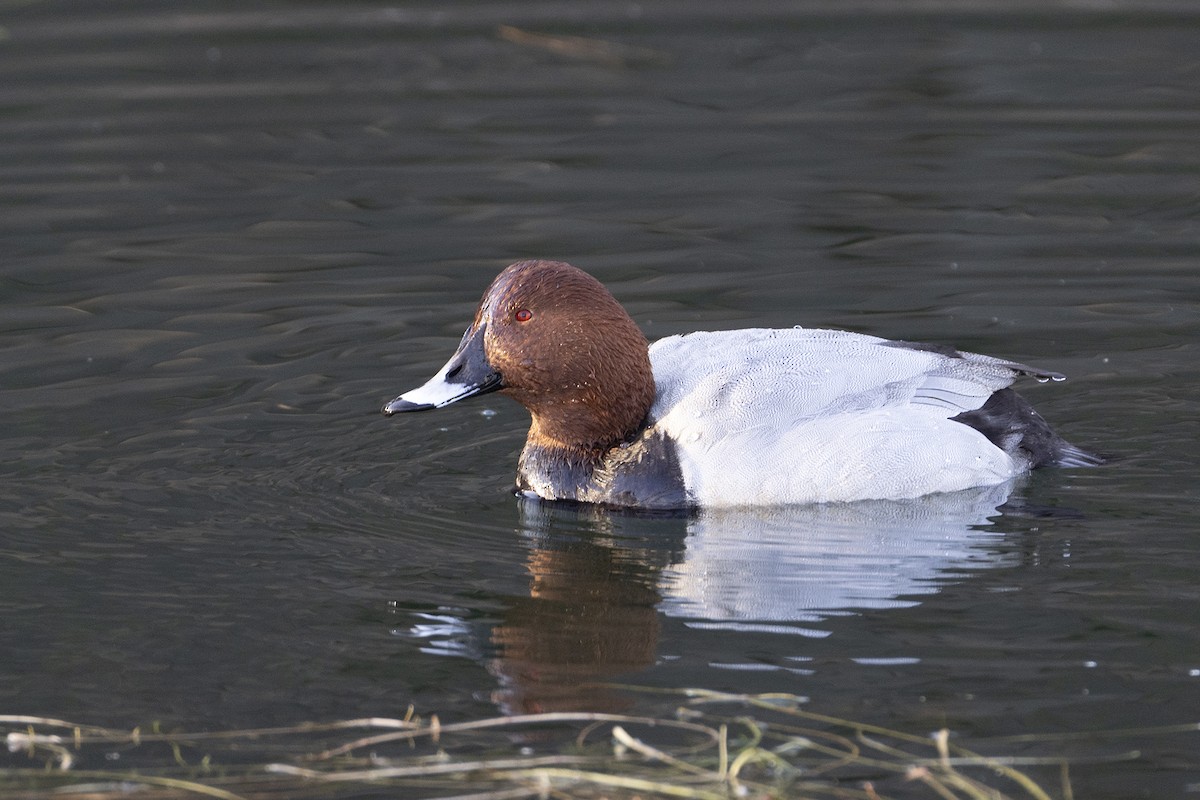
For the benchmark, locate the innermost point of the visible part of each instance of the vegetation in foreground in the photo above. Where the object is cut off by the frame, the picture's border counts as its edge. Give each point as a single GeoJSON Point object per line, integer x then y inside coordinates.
{"type": "Point", "coordinates": [715, 746]}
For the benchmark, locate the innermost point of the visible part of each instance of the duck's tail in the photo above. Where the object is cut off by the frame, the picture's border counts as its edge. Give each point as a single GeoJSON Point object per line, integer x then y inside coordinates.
{"type": "Point", "coordinates": [1015, 426]}
{"type": "Point", "coordinates": [1068, 455]}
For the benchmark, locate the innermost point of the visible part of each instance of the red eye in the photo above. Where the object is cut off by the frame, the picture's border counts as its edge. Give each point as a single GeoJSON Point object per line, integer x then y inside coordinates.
{"type": "Point", "coordinates": [523, 315]}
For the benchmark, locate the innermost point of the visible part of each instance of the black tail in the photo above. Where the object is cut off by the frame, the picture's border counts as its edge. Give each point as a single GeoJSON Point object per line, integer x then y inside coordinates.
{"type": "Point", "coordinates": [1013, 425]}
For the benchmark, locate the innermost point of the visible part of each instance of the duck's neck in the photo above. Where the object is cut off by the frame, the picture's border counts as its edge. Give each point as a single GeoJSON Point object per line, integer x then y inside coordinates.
{"type": "Point", "coordinates": [599, 399]}
{"type": "Point", "coordinates": [593, 413]}
{"type": "Point", "coordinates": [643, 472]}
{"type": "Point", "coordinates": [557, 473]}
{"type": "Point", "coordinates": [569, 439]}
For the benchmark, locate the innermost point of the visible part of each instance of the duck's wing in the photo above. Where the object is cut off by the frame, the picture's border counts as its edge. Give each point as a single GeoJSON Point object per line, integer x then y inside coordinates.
{"type": "Point", "coordinates": [802, 373]}
{"type": "Point", "coordinates": [944, 379]}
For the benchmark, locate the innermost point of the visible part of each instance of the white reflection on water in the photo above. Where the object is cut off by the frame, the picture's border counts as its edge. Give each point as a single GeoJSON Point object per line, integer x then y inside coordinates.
{"type": "Point", "coordinates": [742, 568]}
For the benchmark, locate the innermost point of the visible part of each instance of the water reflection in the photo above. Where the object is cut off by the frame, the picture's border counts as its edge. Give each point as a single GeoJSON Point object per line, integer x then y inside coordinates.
{"type": "Point", "coordinates": [600, 582]}
{"type": "Point", "coordinates": [592, 610]}
{"type": "Point", "coordinates": [807, 563]}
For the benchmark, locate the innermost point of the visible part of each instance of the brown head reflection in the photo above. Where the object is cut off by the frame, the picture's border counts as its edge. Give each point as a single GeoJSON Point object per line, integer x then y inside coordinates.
{"type": "Point", "coordinates": [592, 611]}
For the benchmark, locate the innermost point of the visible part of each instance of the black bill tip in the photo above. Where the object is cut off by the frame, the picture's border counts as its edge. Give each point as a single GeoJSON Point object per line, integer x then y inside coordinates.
{"type": "Point", "coordinates": [400, 405]}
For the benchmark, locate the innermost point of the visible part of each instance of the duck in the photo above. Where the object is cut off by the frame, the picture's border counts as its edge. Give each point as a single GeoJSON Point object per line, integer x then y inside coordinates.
{"type": "Point", "coordinates": [750, 417]}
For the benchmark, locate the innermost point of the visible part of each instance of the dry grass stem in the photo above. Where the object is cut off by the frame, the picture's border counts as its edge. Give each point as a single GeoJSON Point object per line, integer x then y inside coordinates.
{"type": "Point", "coordinates": [715, 746]}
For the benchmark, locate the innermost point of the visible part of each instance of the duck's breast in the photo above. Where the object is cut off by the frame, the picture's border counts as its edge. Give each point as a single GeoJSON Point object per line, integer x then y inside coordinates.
{"type": "Point", "coordinates": [793, 416]}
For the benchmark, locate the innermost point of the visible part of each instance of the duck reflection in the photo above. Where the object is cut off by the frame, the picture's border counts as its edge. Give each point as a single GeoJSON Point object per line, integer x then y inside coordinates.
{"type": "Point", "coordinates": [808, 563]}
{"type": "Point", "coordinates": [601, 581]}
{"type": "Point", "coordinates": [592, 610]}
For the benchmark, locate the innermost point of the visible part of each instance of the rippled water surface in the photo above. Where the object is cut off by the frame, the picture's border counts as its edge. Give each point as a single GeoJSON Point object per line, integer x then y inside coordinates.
{"type": "Point", "coordinates": [229, 233]}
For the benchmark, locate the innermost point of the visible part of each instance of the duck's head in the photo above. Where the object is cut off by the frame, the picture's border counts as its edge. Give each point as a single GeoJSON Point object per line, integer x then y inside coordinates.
{"type": "Point", "coordinates": [555, 340]}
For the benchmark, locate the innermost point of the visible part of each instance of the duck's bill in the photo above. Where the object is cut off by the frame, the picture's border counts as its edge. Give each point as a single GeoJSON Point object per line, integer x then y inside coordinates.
{"type": "Point", "coordinates": [466, 374]}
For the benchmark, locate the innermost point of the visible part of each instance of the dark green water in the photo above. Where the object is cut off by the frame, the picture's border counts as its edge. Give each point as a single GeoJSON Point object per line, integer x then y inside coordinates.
{"type": "Point", "coordinates": [229, 234]}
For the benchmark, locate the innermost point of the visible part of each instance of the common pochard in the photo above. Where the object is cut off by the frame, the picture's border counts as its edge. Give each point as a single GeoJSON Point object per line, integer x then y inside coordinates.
{"type": "Point", "coordinates": [733, 418]}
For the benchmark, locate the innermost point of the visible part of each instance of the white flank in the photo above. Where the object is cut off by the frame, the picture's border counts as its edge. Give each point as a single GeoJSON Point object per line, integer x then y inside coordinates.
{"type": "Point", "coordinates": [765, 417]}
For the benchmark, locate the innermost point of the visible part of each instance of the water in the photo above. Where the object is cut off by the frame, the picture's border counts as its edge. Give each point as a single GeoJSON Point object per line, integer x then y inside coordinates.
{"type": "Point", "coordinates": [230, 235]}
